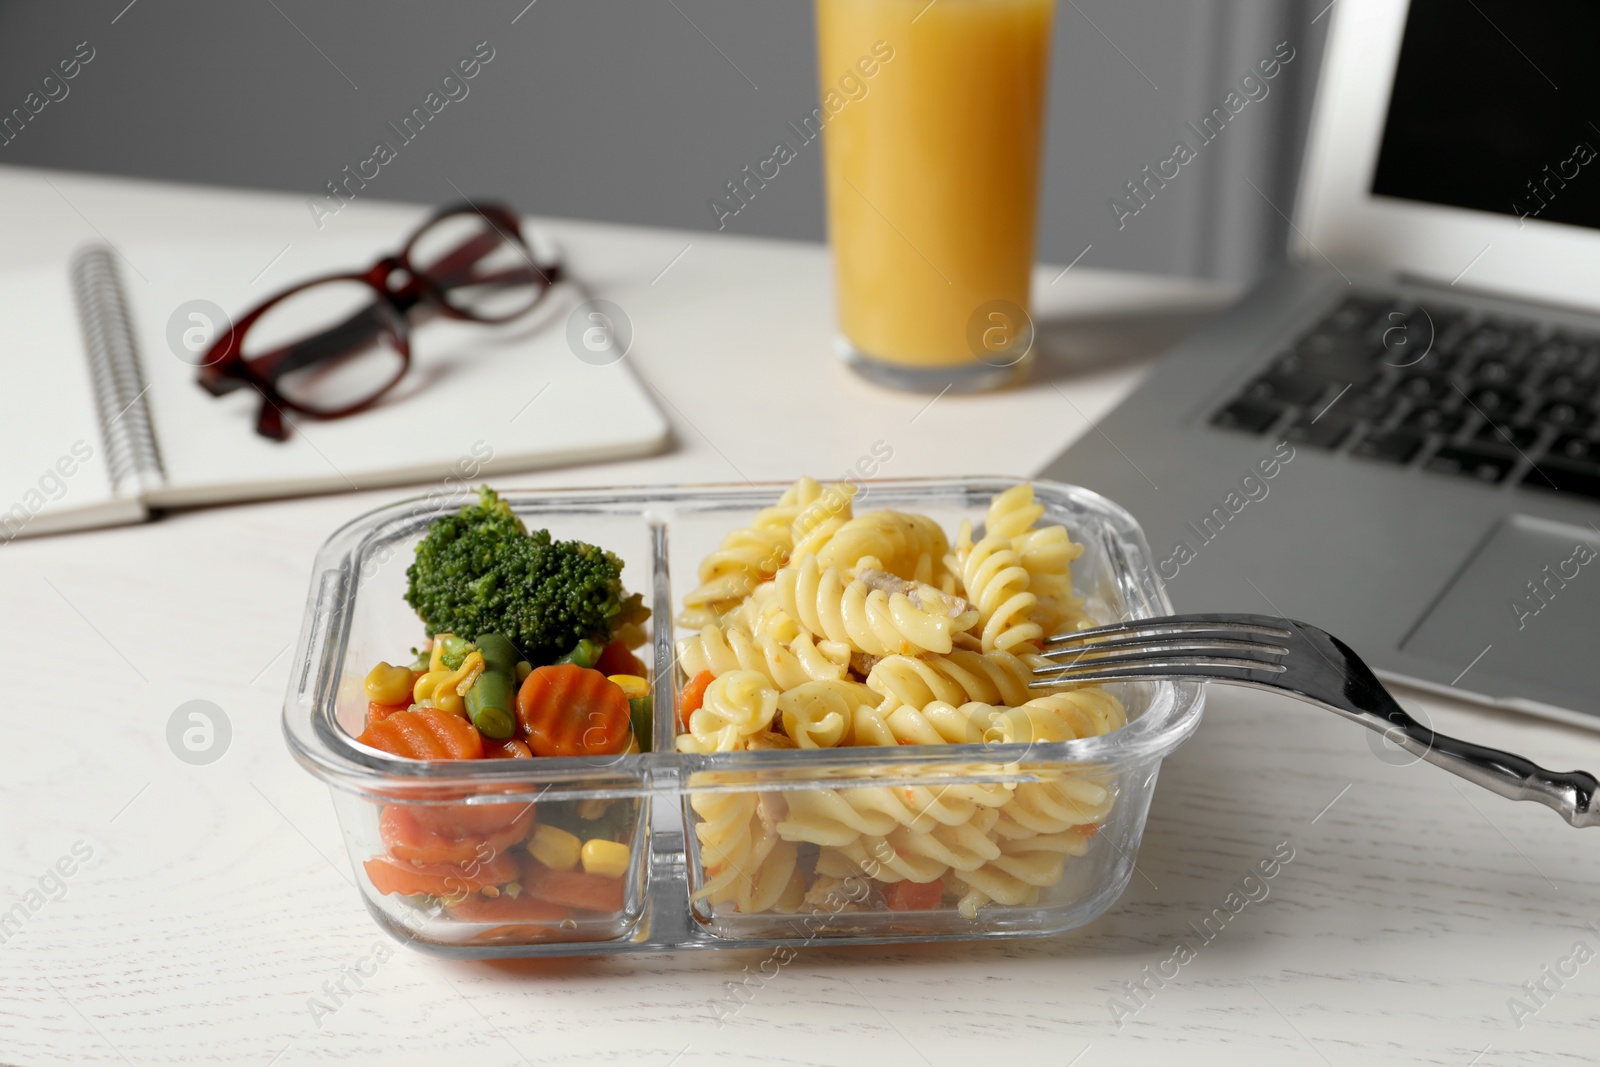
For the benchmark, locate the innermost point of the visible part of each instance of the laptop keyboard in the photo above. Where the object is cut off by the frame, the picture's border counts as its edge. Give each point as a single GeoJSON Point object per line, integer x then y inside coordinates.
{"type": "Point", "coordinates": [1494, 400]}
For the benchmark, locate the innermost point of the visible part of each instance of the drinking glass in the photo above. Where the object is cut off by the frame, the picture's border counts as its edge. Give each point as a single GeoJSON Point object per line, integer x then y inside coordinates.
{"type": "Point", "coordinates": [931, 116]}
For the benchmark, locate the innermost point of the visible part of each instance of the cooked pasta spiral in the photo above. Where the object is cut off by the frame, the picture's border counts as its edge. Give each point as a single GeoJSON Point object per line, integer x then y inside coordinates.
{"type": "Point", "coordinates": [720, 649]}
{"type": "Point", "coordinates": [1044, 824]}
{"type": "Point", "coordinates": [963, 676]}
{"type": "Point", "coordinates": [915, 855]}
{"type": "Point", "coordinates": [897, 541]}
{"type": "Point", "coordinates": [1053, 807]}
{"type": "Point", "coordinates": [997, 584]}
{"type": "Point", "coordinates": [836, 817]}
{"type": "Point", "coordinates": [830, 511]}
{"type": "Point", "coordinates": [1021, 870]}
{"type": "Point", "coordinates": [797, 498]}
{"type": "Point", "coordinates": [734, 569]}
{"type": "Point", "coordinates": [1013, 512]}
{"type": "Point", "coordinates": [1055, 717]}
{"type": "Point", "coordinates": [747, 864]}
{"type": "Point", "coordinates": [738, 705]}
{"type": "Point", "coordinates": [936, 723]}
{"type": "Point", "coordinates": [1045, 552]}
{"type": "Point", "coordinates": [1087, 711]}
{"type": "Point", "coordinates": [755, 552]}
{"type": "Point", "coordinates": [820, 714]}
{"type": "Point", "coordinates": [851, 613]}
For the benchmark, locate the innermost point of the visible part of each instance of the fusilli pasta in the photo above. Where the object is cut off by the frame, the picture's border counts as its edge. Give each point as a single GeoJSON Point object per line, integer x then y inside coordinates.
{"type": "Point", "coordinates": [1045, 552]}
{"type": "Point", "coordinates": [963, 676]}
{"type": "Point", "coordinates": [822, 630]}
{"type": "Point", "coordinates": [851, 612]}
{"type": "Point", "coordinates": [720, 649]}
{"type": "Point", "coordinates": [753, 553]}
{"type": "Point", "coordinates": [906, 545]}
{"type": "Point", "coordinates": [815, 526]}
{"type": "Point", "coordinates": [738, 705]}
{"type": "Point", "coordinates": [747, 864]}
{"type": "Point", "coordinates": [821, 714]}
{"type": "Point", "coordinates": [995, 580]}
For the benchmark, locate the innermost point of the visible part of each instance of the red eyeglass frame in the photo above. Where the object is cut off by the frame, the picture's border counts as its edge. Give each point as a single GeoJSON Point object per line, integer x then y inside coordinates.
{"type": "Point", "coordinates": [399, 288]}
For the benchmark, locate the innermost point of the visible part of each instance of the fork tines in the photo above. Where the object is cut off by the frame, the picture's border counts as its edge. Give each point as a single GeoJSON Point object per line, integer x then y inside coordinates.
{"type": "Point", "coordinates": [1164, 648]}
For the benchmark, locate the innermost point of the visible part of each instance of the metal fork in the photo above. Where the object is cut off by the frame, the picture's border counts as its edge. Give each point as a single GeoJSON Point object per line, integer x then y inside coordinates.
{"type": "Point", "coordinates": [1284, 656]}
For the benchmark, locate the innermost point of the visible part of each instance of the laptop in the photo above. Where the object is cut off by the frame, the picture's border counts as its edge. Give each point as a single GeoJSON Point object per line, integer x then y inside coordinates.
{"type": "Point", "coordinates": [1397, 436]}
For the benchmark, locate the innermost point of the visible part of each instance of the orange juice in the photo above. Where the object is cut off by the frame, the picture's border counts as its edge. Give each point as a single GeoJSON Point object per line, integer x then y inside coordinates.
{"type": "Point", "coordinates": [932, 177]}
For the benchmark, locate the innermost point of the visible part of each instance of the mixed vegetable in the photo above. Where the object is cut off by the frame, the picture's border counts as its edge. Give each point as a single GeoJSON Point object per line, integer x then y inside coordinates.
{"type": "Point", "coordinates": [529, 654]}
{"type": "Point", "coordinates": [515, 863]}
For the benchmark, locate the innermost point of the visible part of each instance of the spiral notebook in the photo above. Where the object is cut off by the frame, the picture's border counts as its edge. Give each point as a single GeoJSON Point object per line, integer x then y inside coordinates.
{"type": "Point", "coordinates": [106, 423]}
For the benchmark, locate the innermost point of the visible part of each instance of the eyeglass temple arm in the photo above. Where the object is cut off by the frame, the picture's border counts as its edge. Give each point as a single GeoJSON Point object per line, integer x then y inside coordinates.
{"type": "Point", "coordinates": [455, 268]}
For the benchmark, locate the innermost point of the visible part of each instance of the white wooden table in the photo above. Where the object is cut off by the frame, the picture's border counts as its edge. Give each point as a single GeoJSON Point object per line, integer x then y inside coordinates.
{"type": "Point", "coordinates": [216, 901]}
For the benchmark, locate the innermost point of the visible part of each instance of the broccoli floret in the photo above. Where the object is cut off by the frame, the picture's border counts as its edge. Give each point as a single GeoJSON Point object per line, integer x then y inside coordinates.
{"type": "Point", "coordinates": [481, 571]}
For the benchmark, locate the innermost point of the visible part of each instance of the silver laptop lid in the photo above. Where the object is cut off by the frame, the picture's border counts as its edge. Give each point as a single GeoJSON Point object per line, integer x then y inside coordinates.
{"type": "Point", "coordinates": [1454, 143]}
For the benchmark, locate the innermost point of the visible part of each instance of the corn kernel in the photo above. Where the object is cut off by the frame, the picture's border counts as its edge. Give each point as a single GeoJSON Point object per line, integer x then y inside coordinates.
{"type": "Point", "coordinates": [632, 685]}
{"type": "Point", "coordinates": [425, 684]}
{"type": "Point", "coordinates": [441, 688]}
{"type": "Point", "coordinates": [447, 700]}
{"type": "Point", "coordinates": [592, 808]}
{"type": "Point", "coordinates": [554, 847]}
{"type": "Point", "coordinates": [608, 859]}
{"type": "Point", "coordinates": [390, 685]}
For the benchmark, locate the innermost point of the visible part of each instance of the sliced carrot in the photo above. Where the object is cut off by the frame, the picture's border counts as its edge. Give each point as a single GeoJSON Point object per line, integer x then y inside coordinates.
{"type": "Point", "coordinates": [573, 889]}
{"type": "Point", "coordinates": [426, 733]}
{"type": "Point", "coordinates": [462, 820]}
{"type": "Point", "coordinates": [694, 694]}
{"type": "Point", "coordinates": [389, 875]}
{"type": "Point", "coordinates": [507, 909]}
{"type": "Point", "coordinates": [377, 712]}
{"type": "Point", "coordinates": [913, 896]}
{"type": "Point", "coordinates": [458, 833]}
{"type": "Point", "coordinates": [618, 658]}
{"type": "Point", "coordinates": [567, 710]}
{"type": "Point", "coordinates": [510, 748]}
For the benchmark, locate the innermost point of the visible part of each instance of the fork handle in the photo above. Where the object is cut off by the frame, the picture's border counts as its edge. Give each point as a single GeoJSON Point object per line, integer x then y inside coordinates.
{"type": "Point", "coordinates": [1570, 793]}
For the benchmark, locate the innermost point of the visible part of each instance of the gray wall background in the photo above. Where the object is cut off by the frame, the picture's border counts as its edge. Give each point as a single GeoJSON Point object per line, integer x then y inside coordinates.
{"type": "Point", "coordinates": [638, 111]}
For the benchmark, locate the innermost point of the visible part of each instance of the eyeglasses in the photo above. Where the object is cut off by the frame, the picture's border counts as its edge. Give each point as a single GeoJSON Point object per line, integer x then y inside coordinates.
{"type": "Point", "coordinates": [333, 346]}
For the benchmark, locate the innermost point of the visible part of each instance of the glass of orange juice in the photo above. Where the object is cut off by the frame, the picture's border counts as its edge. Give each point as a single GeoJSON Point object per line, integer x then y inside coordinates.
{"type": "Point", "coordinates": [932, 115]}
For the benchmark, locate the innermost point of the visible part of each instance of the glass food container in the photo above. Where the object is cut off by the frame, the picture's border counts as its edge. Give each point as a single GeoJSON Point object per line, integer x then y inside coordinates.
{"type": "Point", "coordinates": [783, 848]}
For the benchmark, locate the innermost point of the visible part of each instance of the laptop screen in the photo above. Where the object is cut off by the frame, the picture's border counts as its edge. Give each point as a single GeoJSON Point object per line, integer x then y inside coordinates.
{"type": "Point", "coordinates": [1496, 107]}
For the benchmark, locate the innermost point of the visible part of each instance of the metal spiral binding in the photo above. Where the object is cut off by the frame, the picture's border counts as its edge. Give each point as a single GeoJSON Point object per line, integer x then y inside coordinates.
{"type": "Point", "coordinates": [131, 455]}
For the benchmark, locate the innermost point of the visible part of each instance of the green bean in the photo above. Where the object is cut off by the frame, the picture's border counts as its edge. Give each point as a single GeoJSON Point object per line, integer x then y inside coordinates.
{"type": "Point", "coordinates": [491, 702]}
{"type": "Point", "coordinates": [494, 723]}
{"type": "Point", "coordinates": [499, 654]}
{"type": "Point", "coordinates": [585, 654]}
